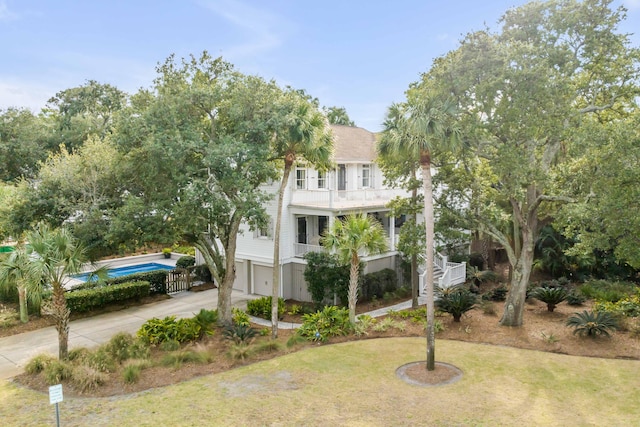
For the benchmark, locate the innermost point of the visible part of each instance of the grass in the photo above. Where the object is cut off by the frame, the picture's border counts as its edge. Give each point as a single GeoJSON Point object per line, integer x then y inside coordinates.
{"type": "Point", "coordinates": [354, 383]}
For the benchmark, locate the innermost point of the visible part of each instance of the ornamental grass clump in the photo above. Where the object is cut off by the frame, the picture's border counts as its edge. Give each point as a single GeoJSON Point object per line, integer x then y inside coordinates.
{"type": "Point", "coordinates": [592, 324]}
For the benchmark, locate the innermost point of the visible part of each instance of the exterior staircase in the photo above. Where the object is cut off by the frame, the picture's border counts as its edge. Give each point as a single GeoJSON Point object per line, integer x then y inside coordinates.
{"type": "Point", "coordinates": [445, 273]}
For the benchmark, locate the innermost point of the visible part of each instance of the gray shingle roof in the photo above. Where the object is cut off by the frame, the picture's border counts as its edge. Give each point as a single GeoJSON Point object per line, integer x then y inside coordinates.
{"type": "Point", "coordinates": [353, 144]}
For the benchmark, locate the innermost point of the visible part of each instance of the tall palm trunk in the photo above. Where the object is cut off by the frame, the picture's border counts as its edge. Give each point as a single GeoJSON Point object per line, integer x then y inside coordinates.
{"type": "Point", "coordinates": [354, 274]}
{"type": "Point", "coordinates": [275, 285]}
{"type": "Point", "coordinates": [414, 257]}
{"type": "Point", "coordinates": [22, 302]}
{"type": "Point", "coordinates": [61, 316]}
{"type": "Point", "coordinates": [425, 162]}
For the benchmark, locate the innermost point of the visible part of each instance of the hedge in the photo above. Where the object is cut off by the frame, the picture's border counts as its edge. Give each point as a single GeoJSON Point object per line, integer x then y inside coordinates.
{"type": "Point", "coordinates": [157, 281]}
{"type": "Point", "coordinates": [89, 299]}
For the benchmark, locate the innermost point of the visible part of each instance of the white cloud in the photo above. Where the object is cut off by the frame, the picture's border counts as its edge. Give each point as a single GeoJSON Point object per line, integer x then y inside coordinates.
{"type": "Point", "coordinates": [5, 13]}
{"type": "Point", "coordinates": [24, 94]}
{"type": "Point", "coordinates": [261, 28]}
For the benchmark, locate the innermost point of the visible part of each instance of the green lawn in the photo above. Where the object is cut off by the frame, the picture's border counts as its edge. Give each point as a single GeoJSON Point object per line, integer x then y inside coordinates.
{"type": "Point", "coordinates": [355, 384]}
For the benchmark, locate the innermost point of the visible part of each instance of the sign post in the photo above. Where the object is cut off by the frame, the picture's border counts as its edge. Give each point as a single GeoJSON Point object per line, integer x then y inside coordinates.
{"type": "Point", "coordinates": [55, 396]}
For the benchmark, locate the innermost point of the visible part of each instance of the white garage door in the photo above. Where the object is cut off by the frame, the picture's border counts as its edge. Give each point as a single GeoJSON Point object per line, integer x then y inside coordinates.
{"type": "Point", "coordinates": [262, 279]}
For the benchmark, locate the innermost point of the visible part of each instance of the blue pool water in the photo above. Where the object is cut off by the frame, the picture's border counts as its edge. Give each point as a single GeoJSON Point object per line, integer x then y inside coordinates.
{"type": "Point", "coordinates": [131, 269]}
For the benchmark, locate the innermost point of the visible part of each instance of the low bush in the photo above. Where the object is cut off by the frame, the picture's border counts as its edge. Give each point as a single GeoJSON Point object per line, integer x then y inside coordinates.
{"type": "Point", "coordinates": [329, 322]}
{"type": "Point", "coordinates": [56, 371]}
{"type": "Point", "coordinates": [389, 323]}
{"type": "Point", "coordinates": [157, 281]}
{"type": "Point", "coordinates": [240, 317]}
{"type": "Point", "coordinates": [206, 319]}
{"type": "Point", "coordinates": [496, 294]}
{"type": "Point", "coordinates": [177, 358]}
{"type": "Point", "coordinates": [38, 363]}
{"type": "Point", "coordinates": [86, 378]}
{"type": "Point", "coordinates": [363, 324]}
{"type": "Point", "coordinates": [574, 298]}
{"type": "Point", "coordinates": [90, 299]}
{"type": "Point", "coordinates": [155, 331]}
{"type": "Point", "coordinates": [456, 303]}
{"type": "Point", "coordinates": [185, 262]}
{"type": "Point", "coordinates": [592, 324]}
{"type": "Point", "coordinates": [628, 306]}
{"type": "Point", "coordinates": [378, 284]}
{"type": "Point", "coordinates": [203, 273]}
{"type": "Point", "coordinates": [550, 296]}
{"type": "Point", "coordinates": [124, 346]}
{"type": "Point", "coordinates": [131, 373]}
{"type": "Point", "coordinates": [606, 291]}
{"type": "Point", "coordinates": [102, 360]}
{"type": "Point", "coordinates": [169, 345]}
{"type": "Point", "coordinates": [261, 307]}
{"type": "Point", "coordinates": [240, 333]}
{"type": "Point", "coordinates": [418, 315]}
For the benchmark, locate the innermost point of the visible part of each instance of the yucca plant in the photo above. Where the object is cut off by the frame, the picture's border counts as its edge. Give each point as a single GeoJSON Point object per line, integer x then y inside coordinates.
{"type": "Point", "coordinates": [456, 303]}
{"type": "Point", "coordinates": [593, 323]}
{"type": "Point", "coordinates": [239, 333]}
{"type": "Point", "coordinates": [550, 296]}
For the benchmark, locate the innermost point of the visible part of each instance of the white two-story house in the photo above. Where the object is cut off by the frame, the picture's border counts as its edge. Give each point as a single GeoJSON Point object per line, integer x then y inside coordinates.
{"type": "Point", "coordinates": [312, 202]}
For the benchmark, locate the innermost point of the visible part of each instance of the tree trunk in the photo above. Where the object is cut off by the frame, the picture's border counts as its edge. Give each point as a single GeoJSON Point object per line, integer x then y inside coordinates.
{"type": "Point", "coordinates": [521, 272]}
{"type": "Point", "coordinates": [61, 316]}
{"type": "Point", "coordinates": [22, 302]}
{"type": "Point", "coordinates": [275, 285]}
{"type": "Point", "coordinates": [414, 257]}
{"type": "Point", "coordinates": [225, 315]}
{"type": "Point", "coordinates": [425, 162]}
{"type": "Point", "coordinates": [354, 274]}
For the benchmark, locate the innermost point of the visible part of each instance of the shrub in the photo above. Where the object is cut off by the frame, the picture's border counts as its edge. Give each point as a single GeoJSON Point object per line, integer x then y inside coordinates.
{"type": "Point", "coordinates": [131, 373]}
{"type": "Point", "coordinates": [240, 317]}
{"type": "Point", "coordinates": [203, 273]}
{"type": "Point", "coordinates": [169, 345]}
{"type": "Point", "coordinates": [90, 299]}
{"type": "Point", "coordinates": [79, 354]}
{"type": "Point", "coordinates": [575, 298]}
{"type": "Point", "coordinates": [496, 294]}
{"type": "Point", "coordinates": [185, 261]}
{"type": "Point", "coordinates": [56, 371]}
{"type": "Point", "coordinates": [268, 347]}
{"type": "Point", "coordinates": [325, 276]}
{"type": "Point", "coordinates": [628, 306]}
{"type": "Point", "coordinates": [155, 331]}
{"type": "Point", "coordinates": [592, 323]}
{"type": "Point", "coordinates": [206, 319]}
{"type": "Point", "coordinates": [378, 284]}
{"type": "Point", "coordinates": [456, 303]}
{"type": "Point", "coordinates": [550, 296]}
{"type": "Point", "coordinates": [488, 307]}
{"type": "Point", "coordinates": [320, 326]}
{"type": "Point", "coordinates": [261, 307]}
{"type": "Point", "coordinates": [186, 250]}
{"type": "Point", "coordinates": [157, 281]}
{"type": "Point", "coordinates": [39, 363]}
{"type": "Point", "coordinates": [478, 276]}
{"type": "Point", "coordinates": [603, 290]}
{"type": "Point", "coordinates": [102, 360]}
{"type": "Point", "coordinates": [87, 378]}
{"type": "Point", "coordinates": [123, 346]}
{"type": "Point", "coordinates": [388, 323]}
{"type": "Point", "coordinates": [363, 324]}
{"type": "Point", "coordinates": [239, 333]}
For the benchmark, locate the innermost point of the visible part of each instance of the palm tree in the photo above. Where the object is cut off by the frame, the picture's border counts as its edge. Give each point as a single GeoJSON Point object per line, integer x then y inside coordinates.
{"type": "Point", "coordinates": [355, 236]}
{"type": "Point", "coordinates": [18, 270]}
{"type": "Point", "coordinates": [304, 135]}
{"type": "Point", "coordinates": [56, 255]}
{"type": "Point", "coordinates": [428, 123]}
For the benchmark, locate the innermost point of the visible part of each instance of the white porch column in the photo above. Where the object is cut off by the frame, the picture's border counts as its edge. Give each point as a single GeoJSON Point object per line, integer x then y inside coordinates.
{"type": "Point", "coordinates": [392, 233]}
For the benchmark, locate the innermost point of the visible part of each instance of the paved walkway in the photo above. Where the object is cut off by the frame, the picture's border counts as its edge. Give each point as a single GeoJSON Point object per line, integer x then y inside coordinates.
{"type": "Point", "coordinates": [16, 350]}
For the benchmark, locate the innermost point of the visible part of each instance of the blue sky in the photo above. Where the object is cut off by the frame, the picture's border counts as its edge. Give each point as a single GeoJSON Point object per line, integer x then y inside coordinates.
{"type": "Point", "coordinates": [361, 55]}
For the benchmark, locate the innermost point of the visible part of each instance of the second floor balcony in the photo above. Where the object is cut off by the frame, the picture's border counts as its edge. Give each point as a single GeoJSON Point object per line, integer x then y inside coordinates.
{"type": "Point", "coordinates": [344, 199]}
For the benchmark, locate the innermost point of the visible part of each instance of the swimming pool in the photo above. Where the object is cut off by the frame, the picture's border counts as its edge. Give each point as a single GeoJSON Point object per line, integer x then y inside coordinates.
{"type": "Point", "coordinates": [130, 269]}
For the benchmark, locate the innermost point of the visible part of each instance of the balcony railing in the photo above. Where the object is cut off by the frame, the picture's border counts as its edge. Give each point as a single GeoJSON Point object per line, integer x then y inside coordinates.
{"type": "Point", "coordinates": [350, 198]}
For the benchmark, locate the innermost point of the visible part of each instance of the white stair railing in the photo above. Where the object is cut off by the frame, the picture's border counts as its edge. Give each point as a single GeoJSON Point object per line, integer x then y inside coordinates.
{"type": "Point", "coordinates": [453, 273]}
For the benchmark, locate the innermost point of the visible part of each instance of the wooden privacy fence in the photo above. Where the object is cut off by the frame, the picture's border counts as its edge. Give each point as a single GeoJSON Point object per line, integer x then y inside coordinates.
{"type": "Point", "coordinates": [180, 279]}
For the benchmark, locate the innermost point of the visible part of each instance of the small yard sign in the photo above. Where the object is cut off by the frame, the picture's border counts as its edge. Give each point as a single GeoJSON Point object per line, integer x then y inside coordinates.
{"type": "Point", "coordinates": [55, 394]}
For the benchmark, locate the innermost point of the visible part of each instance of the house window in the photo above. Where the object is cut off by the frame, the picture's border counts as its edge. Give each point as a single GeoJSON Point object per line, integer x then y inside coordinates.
{"type": "Point", "coordinates": [264, 232]}
{"type": "Point", "coordinates": [301, 179]}
{"type": "Point", "coordinates": [322, 179]}
{"type": "Point", "coordinates": [366, 176]}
